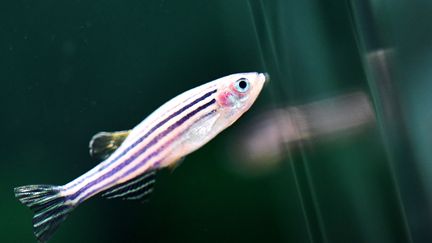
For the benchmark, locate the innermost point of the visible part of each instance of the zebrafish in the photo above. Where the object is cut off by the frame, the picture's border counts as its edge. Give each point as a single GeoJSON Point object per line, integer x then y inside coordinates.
{"type": "Point", "coordinates": [131, 158]}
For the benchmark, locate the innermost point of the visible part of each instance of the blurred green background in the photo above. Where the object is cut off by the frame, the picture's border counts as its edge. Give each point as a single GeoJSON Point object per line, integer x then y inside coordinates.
{"type": "Point", "coordinates": [69, 69]}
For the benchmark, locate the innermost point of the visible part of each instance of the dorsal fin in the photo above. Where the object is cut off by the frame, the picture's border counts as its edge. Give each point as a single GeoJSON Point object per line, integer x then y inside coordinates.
{"type": "Point", "coordinates": [103, 144]}
{"type": "Point", "coordinates": [136, 189]}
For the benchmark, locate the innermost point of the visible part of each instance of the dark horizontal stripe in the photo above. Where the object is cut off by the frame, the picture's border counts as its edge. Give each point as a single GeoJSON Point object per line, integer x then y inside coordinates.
{"type": "Point", "coordinates": [161, 123]}
{"type": "Point", "coordinates": [144, 161]}
{"type": "Point", "coordinates": [136, 154]}
{"type": "Point", "coordinates": [159, 150]}
{"type": "Point", "coordinates": [164, 146]}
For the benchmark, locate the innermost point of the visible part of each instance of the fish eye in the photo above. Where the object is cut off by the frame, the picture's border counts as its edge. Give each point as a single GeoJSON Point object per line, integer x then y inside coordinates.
{"type": "Point", "coordinates": [242, 85]}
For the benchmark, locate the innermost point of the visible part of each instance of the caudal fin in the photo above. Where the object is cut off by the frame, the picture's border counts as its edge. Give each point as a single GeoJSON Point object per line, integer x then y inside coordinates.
{"type": "Point", "coordinates": [49, 205]}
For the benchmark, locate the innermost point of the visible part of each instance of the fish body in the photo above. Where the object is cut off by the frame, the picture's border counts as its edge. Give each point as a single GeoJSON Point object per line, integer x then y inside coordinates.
{"type": "Point", "coordinates": [131, 158]}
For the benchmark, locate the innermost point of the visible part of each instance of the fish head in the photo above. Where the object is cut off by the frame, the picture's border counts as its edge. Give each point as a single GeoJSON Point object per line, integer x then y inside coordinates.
{"type": "Point", "coordinates": [236, 94]}
{"type": "Point", "coordinates": [229, 98]}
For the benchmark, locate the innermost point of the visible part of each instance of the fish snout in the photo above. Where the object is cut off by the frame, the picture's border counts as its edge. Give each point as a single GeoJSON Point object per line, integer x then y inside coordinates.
{"type": "Point", "coordinates": [264, 77]}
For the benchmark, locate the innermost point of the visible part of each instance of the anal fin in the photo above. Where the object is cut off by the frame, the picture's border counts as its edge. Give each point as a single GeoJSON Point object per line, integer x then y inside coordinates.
{"type": "Point", "coordinates": [103, 144]}
{"type": "Point", "coordinates": [136, 189]}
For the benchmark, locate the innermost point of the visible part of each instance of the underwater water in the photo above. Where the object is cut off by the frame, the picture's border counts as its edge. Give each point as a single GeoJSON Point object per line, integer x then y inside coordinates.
{"type": "Point", "coordinates": [336, 148]}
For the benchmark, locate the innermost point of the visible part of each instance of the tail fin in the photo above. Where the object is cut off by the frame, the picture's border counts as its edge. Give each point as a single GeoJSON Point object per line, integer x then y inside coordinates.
{"type": "Point", "coordinates": [50, 207]}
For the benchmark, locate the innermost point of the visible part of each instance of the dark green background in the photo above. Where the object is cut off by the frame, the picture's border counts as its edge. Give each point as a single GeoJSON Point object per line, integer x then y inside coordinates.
{"type": "Point", "coordinates": [69, 69]}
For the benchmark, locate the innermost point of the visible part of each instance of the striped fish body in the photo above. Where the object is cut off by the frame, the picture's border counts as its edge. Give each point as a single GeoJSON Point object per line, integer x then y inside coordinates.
{"type": "Point", "coordinates": [177, 128]}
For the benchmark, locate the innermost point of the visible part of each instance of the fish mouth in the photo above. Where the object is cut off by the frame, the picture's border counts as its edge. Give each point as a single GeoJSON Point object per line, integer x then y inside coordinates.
{"type": "Point", "coordinates": [264, 77]}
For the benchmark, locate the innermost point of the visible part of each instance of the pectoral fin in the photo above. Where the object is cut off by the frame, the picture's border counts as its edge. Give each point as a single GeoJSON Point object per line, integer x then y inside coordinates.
{"type": "Point", "coordinates": [103, 144]}
{"type": "Point", "coordinates": [176, 163]}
